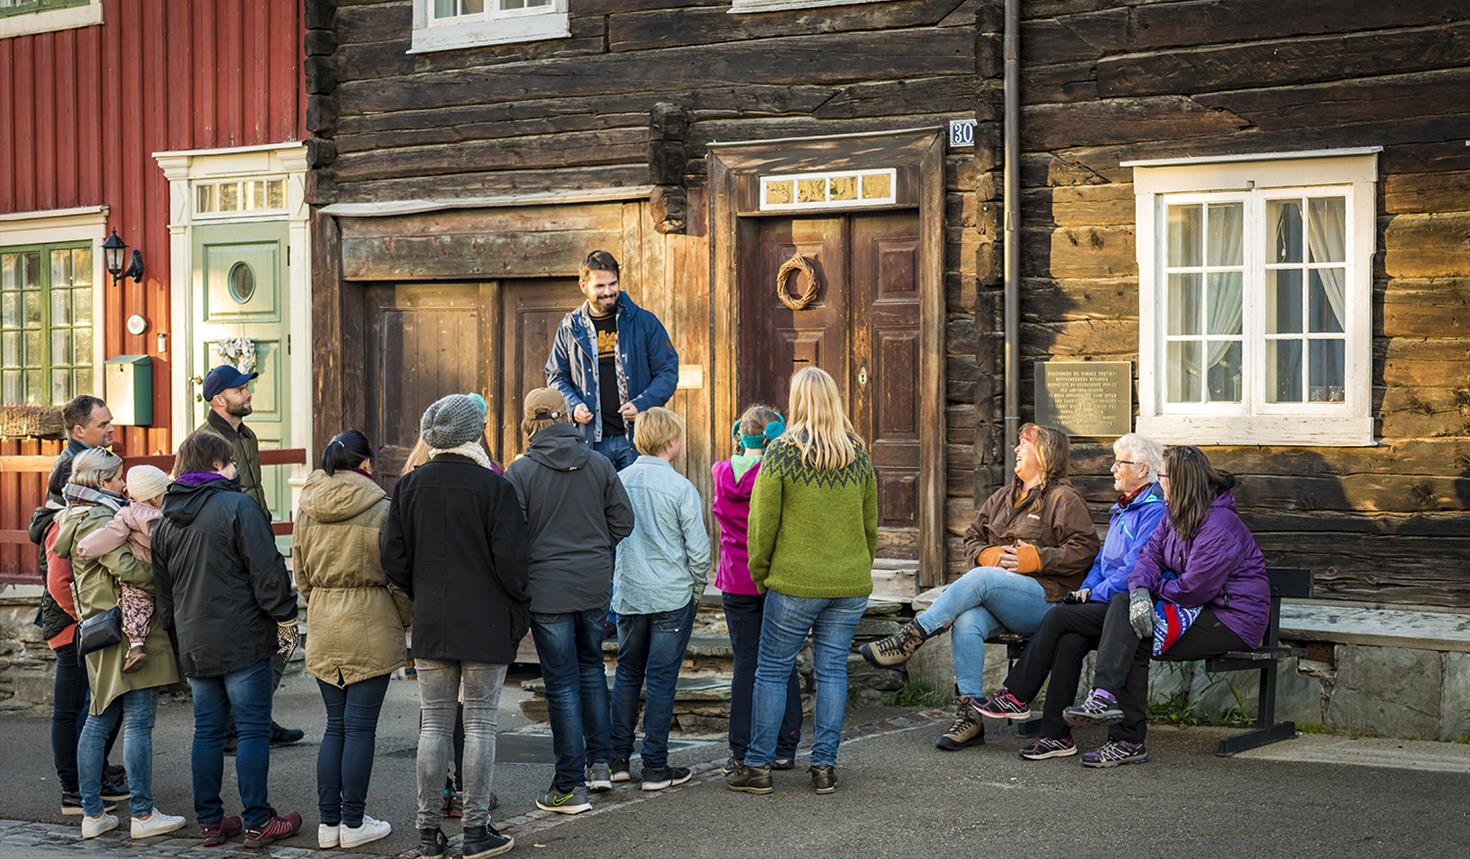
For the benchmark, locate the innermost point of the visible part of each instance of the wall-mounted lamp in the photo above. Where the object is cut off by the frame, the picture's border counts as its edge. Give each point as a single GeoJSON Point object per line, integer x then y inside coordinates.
{"type": "Point", "coordinates": [113, 250]}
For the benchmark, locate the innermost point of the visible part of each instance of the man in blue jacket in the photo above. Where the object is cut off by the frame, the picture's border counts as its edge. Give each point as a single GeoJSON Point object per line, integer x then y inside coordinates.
{"type": "Point", "coordinates": [611, 360]}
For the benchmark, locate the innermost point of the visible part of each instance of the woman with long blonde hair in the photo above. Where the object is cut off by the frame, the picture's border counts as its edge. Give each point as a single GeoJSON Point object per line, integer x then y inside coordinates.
{"type": "Point", "coordinates": [813, 533]}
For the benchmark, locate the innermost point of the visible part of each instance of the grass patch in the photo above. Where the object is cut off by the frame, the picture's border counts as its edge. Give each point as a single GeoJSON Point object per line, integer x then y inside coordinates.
{"type": "Point", "coordinates": [1178, 710]}
{"type": "Point", "coordinates": [916, 694]}
{"type": "Point", "coordinates": [1327, 730]}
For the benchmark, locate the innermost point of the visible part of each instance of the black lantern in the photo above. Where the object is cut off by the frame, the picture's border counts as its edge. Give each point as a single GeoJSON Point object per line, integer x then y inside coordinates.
{"type": "Point", "coordinates": [113, 250]}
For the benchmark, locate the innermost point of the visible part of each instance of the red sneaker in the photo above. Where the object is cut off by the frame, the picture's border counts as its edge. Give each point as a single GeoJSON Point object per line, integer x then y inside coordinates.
{"type": "Point", "coordinates": [274, 830]}
{"type": "Point", "coordinates": [216, 834]}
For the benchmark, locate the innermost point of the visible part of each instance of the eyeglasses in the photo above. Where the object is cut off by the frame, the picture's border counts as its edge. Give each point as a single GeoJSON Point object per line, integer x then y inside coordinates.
{"type": "Point", "coordinates": [1163, 476]}
{"type": "Point", "coordinates": [1118, 462]}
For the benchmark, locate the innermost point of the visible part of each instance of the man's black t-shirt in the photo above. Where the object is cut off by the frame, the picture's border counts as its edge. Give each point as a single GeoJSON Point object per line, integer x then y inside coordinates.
{"type": "Point", "coordinates": [607, 374]}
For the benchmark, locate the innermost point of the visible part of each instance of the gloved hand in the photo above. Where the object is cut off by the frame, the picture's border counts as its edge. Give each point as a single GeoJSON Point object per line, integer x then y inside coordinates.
{"type": "Point", "coordinates": [287, 637]}
{"type": "Point", "coordinates": [1141, 612]}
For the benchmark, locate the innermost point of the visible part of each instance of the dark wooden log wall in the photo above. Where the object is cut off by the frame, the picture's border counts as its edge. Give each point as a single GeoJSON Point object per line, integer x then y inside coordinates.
{"type": "Point", "coordinates": [1110, 80]}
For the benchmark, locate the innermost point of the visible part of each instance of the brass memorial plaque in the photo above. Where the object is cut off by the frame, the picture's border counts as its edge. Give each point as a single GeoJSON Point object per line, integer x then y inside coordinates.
{"type": "Point", "coordinates": [1085, 398]}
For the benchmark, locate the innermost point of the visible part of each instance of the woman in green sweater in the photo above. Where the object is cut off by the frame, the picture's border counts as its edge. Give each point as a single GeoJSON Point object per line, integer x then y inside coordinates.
{"type": "Point", "coordinates": [813, 531]}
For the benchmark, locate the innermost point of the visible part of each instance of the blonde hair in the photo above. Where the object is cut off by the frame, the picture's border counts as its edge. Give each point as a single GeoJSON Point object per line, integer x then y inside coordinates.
{"type": "Point", "coordinates": [94, 467]}
{"type": "Point", "coordinates": [818, 426]}
{"type": "Point", "coordinates": [416, 457]}
{"type": "Point", "coordinates": [656, 429]}
{"type": "Point", "coordinates": [1053, 450]}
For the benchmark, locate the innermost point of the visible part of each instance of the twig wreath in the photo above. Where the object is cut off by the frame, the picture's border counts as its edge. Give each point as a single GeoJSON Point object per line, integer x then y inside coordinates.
{"type": "Point", "coordinates": [797, 264]}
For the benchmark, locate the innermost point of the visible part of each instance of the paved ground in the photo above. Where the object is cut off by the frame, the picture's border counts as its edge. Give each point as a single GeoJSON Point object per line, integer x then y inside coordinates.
{"type": "Point", "coordinates": [898, 796]}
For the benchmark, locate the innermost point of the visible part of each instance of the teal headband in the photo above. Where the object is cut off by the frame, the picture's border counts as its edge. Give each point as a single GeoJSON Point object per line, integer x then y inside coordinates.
{"type": "Point", "coordinates": [773, 431]}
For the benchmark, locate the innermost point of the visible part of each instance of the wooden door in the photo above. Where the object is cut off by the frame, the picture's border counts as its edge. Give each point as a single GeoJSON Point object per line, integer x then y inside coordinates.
{"type": "Point", "coordinates": [530, 311]}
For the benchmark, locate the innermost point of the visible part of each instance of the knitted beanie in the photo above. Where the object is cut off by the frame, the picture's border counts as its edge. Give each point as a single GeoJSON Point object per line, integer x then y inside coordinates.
{"type": "Point", "coordinates": [451, 422]}
{"type": "Point", "coordinates": [145, 482]}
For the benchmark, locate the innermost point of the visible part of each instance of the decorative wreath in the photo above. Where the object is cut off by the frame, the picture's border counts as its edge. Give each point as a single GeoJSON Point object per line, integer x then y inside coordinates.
{"type": "Point", "coordinates": [239, 351]}
{"type": "Point", "coordinates": [797, 263]}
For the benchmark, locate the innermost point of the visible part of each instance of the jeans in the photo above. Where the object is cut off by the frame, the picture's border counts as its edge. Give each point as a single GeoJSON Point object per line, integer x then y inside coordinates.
{"type": "Point", "coordinates": [246, 694]}
{"type": "Point", "coordinates": [344, 763]}
{"type": "Point", "coordinates": [1057, 648]}
{"type": "Point", "coordinates": [136, 709]}
{"type": "Point", "coordinates": [569, 646]}
{"type": "Point", "coordinates": [69, 698]}
{"type": "Point", "coordinates": [441, 683]}
{"type": "Point", "coordinates": [618, 449]}
{"type": "Point", "coordinates": [979, 603]}
{"type": "Point", "coordinates": [278, 670]}
{"type": "Point", "coordinates": [651, 646]}
{"type": "Point", "coordinates": [783, 630]}
{"type": "Point", "coordinates": [743, 613]}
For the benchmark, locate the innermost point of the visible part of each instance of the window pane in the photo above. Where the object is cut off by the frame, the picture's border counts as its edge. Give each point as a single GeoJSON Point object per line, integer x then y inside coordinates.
{"type": "Point", "coordinates": [1223, 375]}
{"type": "Point", "coordinates": [10, 349]}
{"type": "Point", "coordinates": [1184, 377]}
{"type": "Point", "coordinates": [471, 7]}
{"type": "Point", "coordinates": [10, 271]}
{"type": "Point", "coordinates": [1283, 371]}
{"type": "Point", "coordinates": [81, 305]}
{"type": "Point", "coordinates": [60, 306]}
{"type": "Point", "coordinates": [9, 310]}
{"type": "Point", "coordinates": [510, 5]}
{"type": "Point", "coordinates": [257, 194]}
{"type": "Point", "coordinates": [1328, 296]}
{"type": "Point", "coordinates": [60, 346]}
{"type": "Point", "coordinates": [32, 309]}
{"type": "Point", "coordinates": [1284, 231]}
{"type": "Point", "coordinates": [82, 347]}
{"type": "Point", "coordinates": [1284, 301]}
{"type": "Point", "coordinates": [1326, 370]}
{"type": "Point", "coordinates": [60, 386]}
{"type": "Point", "coordinates": [1184, 235]}
{"type": "Point", "coordinates": [1184, 303]}
{"type": "Point", "coordinates": [229, 197]}
{"type": "Point", "coordinates": [275, 194]}
{"type": "Point", "coordinates": [1227, 236]}
{"type": "Point", "coordinates": [1224, 308]}
{"type": "Point", "coordinates": [30, 270]}
{"type": "Point", "coordinates": [35, 388]}
{"type": "Point", "coordinates": [531, 4]}
{"type": "Point", "coordinates": [1327, 229]}
{"type": "Point", "coordinates": [30, 353]}
{"type": "Point", "coordinates": [81, 267]}
{"type": "Point", "coordinates": [60, 263]}
{"type": "Point", "coordinates": [446, 8]}
{"type": "Point", "coordinates": [10, 386]}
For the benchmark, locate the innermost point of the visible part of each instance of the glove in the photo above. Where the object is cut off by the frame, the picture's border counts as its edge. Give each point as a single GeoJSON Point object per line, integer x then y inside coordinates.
{"type": "Point", "coordinates": [1141, 612]}
{"type": "Point", "coordinates": [287, 637]}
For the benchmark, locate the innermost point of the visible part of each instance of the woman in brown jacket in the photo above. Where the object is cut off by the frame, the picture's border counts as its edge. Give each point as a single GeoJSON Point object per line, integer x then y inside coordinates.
{"type": "Point", "coordinates": [354, 628]}
{"type": "Point", "coordinates": [1030, 545]}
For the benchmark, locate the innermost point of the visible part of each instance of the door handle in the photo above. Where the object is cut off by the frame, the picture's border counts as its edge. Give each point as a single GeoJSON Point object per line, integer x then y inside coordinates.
{"type": "Point", "coordinates": [197, 380]}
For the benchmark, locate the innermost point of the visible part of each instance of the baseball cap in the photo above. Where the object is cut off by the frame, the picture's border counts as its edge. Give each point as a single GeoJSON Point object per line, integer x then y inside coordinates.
{"type": "Point", "coordinates": [224, 377]}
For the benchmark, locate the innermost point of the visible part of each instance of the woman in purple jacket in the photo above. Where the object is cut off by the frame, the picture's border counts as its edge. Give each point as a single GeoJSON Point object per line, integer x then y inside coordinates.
{"type": "Point", "coordinates": [1199, 589]}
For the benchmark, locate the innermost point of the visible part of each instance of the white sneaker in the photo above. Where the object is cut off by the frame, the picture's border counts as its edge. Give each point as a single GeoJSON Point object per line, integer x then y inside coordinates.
{"type": "Point", "coordinates": [328, 836]}
{"type": "Point", "coordinates": [370, 830]}
{"type": "Point", "coordinates": [156, 823]}
{"type": "Point", "coordinates": [95, 826]}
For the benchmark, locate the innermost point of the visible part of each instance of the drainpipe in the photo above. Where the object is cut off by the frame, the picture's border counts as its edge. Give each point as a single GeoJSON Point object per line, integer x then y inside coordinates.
{"type": "Point", "coordinates": [1011, 203]}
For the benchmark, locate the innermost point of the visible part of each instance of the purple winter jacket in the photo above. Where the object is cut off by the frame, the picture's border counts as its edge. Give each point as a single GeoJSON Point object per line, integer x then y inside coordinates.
{"type": "Point", "coordinates": [1221, 568]}
{"type": "Point", "coordinates": [732, 511]}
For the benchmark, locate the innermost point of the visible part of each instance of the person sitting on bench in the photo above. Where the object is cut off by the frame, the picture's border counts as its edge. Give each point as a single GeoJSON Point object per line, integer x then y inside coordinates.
{"type": "Point", "coordinates": [1071, 630]}
{"type": "Point", "coordinates": [1199, 590]}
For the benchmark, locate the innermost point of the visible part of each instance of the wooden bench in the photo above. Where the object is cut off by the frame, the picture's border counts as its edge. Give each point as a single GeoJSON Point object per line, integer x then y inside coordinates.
{"type": "Point", "coordinates": [1285, 582]}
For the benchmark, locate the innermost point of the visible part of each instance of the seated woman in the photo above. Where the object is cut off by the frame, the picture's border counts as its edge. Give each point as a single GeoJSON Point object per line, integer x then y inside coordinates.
{"type": "Point", "coordinates": [1071, 630]}
{"type": "Point", "coordinates": [1199, 589]}
{"type": "Point", "coordinates": [1030, 545]}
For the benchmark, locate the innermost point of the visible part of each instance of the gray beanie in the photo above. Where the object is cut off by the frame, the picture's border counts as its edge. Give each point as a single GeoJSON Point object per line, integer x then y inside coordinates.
{"type": "Point", "coordinates": [451, 422]}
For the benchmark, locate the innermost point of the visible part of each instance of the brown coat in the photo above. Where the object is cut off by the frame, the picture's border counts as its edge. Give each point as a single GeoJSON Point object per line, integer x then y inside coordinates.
{"type": "Point", "coordinates": [1054, 522]}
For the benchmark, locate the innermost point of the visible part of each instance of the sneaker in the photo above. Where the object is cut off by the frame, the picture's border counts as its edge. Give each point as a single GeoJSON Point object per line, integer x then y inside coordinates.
{"type": "Point", "coordinates": [281, 736]}
{"type": "Point", "coordinates": [731, 765]}
{"type": "Point", "coordinates": [599, 777]}
{"type": "Point", "coordinates": [483, 841]}
{"type": "Point", "coordinates": [135, 659]}
{"type": "Point", "coordinates": [666, 777]}
{"type": "Point", "coordinates": [1042, 748]}
{"type": "Point", "coordinates": [896, 649]}
{"type": "Point", "coordinates": [368, 831]}
{"type": "Point", "coordinates": [749, 779]}
{"type": "Point", "coordinates": [216, 834]}
{"type": "Point", "coordinates": [432, 843]}
{"type": "Point", "coordinates": [783, 763]}
{"type": "Point", "coordinates": [71, 804]}
{"type": "Point", "coordinates": [568, 802]}
{"type": "Point", "coordinates": [619, 770]}
{"type": "Point", "coordinates": [966, 729]}
{"type": "Point", "coordinates": [328, 837]}
{"type": "Point", "coordinates": [453, 805]}
{"type": "Point", "coordinates": [156, 823]}
{"type": "Point", "coordinates": [1003, 705]}
{"type": "Point", "coordinates": [273, 830]}
{"type": "Point", "coordinates": [115, 790]}
{"type": "Point", "coordinates": [1100, 708]}
{"type": "Point", "coordinates": [824, 778]}
{"type": "Point", "coordinates": [95, 826]}
{"type": "Point", "coordinates": [1116, 753]}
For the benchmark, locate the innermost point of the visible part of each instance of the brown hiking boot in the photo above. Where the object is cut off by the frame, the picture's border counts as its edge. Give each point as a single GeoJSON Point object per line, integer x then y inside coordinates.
{"type": "Point", "coordinates": [135, 660]}
{"type": "Point", "coordinates": [966, 730]}
{"type": "Point", "coordinates": [896, 649]}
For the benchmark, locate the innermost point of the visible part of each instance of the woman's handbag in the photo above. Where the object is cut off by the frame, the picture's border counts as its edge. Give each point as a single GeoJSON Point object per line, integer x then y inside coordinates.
{"type": "Point", "coordinates": [100, 631]}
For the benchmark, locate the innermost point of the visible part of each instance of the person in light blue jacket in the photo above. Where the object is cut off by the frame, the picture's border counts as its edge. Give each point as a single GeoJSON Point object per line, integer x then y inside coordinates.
{"type": "Point", "coordinates": [1072, 629]}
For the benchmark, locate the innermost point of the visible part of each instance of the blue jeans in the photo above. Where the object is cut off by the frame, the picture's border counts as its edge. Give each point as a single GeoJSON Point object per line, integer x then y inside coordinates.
{"type": "Point", "coordinates": [783, 630]}
{"type": "Point", "coordinates": [979, 603]}
{"type": "Point", "coordinates": [618, 449]}
{"type": "Point", "coordinates": [136, 709]}
{"type": "Point", "coordinates": [651, 646]}
{"type": "Point", "coordinates": [344, 763]}
{"type": "Point", "coordinates": [246, 693]}
{"type": "Point", "coordinates": [569, 646]}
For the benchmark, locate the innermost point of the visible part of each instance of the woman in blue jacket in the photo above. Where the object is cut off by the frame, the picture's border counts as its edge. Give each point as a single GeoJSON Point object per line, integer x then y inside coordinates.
{"type": "Point", "coordinates": [1070, 630]}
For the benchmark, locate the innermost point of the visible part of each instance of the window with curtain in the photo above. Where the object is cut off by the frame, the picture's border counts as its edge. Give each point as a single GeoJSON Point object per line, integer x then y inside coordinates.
{"type": "Point", "coordinates": [443, 25]}
{"type": "Point", "coordinates": [46, 332]}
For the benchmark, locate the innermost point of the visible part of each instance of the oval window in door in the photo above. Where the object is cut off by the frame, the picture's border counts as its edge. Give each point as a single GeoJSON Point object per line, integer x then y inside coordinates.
{"type": "Point", "coordinates": [241, 282]}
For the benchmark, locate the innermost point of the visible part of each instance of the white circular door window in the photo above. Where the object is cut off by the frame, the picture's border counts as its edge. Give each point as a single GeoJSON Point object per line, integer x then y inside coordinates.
{"type": "Point", "coordinates": [241, 281]}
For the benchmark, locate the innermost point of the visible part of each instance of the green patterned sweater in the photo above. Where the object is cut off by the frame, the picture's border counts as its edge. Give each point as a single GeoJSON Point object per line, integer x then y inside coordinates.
{"type": "Point", "coordinates": [813, 534]}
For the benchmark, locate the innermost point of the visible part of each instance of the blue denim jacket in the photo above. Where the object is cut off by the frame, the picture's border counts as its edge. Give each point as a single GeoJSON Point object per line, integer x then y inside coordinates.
{"type": "Point", "coordinates": [665, 561]}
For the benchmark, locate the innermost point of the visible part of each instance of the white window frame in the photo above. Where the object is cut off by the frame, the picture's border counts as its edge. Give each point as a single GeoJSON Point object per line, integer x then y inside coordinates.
{"type": "Point", "coordinates": [50, 20]}
{"type": "Point", "coordinates": [752, 7]}
{"type": "Point", "coordinates": [1351, 173]}
{"type": "Point", "coordinates": [491, 27]}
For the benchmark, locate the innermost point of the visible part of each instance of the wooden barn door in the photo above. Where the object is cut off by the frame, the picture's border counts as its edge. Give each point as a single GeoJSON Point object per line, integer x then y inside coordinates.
{"type": "Point", "coordinates": [530, 312]}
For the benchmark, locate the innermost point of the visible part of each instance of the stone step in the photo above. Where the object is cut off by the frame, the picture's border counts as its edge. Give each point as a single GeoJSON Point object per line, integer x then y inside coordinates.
{"type": "Point", "coordinates": [689, 689]}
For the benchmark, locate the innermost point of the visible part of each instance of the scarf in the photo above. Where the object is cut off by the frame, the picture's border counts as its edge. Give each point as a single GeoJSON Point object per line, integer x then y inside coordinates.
{"type": "Point", "coordinates": [77, 494]}
{"type": "Point", "coordinates": [469, 450]}
{"type": "Point", "coordinates": [1171, 621]}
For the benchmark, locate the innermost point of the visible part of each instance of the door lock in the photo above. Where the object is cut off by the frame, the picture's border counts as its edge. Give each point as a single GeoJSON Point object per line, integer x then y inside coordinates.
{"type": "Point", "coordinates": [863, 376]}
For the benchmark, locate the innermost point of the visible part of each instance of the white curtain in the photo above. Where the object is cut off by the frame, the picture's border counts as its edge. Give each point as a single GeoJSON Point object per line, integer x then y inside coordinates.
{"type": "Point", "coordinates": [1327, 241]}
{"type": "Point", "coordinates": [1226, 235]}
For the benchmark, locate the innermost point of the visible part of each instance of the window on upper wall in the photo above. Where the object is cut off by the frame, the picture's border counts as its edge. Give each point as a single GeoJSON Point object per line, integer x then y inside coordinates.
{"type": "Point", "coordinates": [446, 25]}
{"type": "Point", "coordinates": [46, 333]}
{"type": "Point", "coordinates": [1255, 298]}
{"type": "Point", "coordinates": [23, 17]}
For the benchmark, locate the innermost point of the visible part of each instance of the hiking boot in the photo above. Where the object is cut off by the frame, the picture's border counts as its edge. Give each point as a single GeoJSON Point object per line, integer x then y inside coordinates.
{"type": "Point", "coordinates": [432, 843]}
{"type": "Point", "coordinates": [1003, 705]}
{"type": "Point", "coordinates": [135, 659]}
{"type": "Point", "coordinates": [824, 778]}
{"type": "Point", "coordinates": [599, 777]}
{"type": "Point", "coordinates": [666, 777]}
{"type": "Point", "coordinates": [749, 779]}
{"type": "Point", "coordinates": [275, 829]}
{"type": "Point", "coordinates": [965, 730]}
{"type": "Point", "coordinates": [1116, 753]}
{"type": "Point", "coordinates": [216, 834]}
{"type": "Point", "coordinates": [282, 736]}
{"type": "Point", "coordinates": [573, 801]}
{"type": "Point", "coordinates": [1042, 748]}
{"type": "Point", "coordinates": [71, 804]}
{"type": "Point", "coordinates": [896, 649]}
{"type": "Point", "coordinates": [618, 770]}
{"type": "Point", "coordinates": [1100, 708]}
{"type": "Point", "coordinates": [483, 841]}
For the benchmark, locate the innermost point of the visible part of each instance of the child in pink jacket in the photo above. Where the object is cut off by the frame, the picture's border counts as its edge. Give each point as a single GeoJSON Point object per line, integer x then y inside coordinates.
{"type": "Point", "coordinates": [133, 525]}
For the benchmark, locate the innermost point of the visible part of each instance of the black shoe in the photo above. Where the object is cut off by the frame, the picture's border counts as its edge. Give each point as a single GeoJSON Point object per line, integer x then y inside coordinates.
{"type": "Point", "coordinates": [618, 770]}
{"type": "Point", "coordinates": [824, 778]}
{"type": "Point", "coordinates": [71, 804]}
{"type": "Point", "coordinates": [285, 736]}
{"type": "Point", "coordinates": [783, 762]}
{"type": "Point", "coordinates": [483, 841]}
{"type": "Point", "coordinates": [749, 779]}
{"type": "Point", "coordinates": [115, 790]}
{"type": "Point", "coordinates": [666, 777]}
{"type": "Point", "coordinates": [432, 843]}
